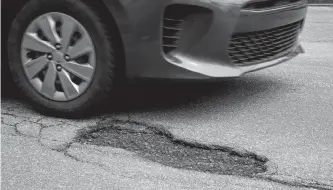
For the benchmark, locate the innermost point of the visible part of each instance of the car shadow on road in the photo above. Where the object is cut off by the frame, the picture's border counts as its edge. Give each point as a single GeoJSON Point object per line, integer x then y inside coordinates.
{"type": "Point", "coordinates": [150, 96]}
{"type": "Point", "coordinates": [228, 93]}
{"type": "Point", "coordinates": [8, 88]}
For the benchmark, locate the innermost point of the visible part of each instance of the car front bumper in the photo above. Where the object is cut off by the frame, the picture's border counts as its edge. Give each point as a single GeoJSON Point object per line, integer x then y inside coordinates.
{"type": "Point", "coordinates": [206, 55]}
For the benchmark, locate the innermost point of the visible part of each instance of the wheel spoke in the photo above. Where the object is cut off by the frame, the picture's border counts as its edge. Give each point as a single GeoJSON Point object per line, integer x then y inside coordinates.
{"type": "Point", "coordinates": [33, 67]}
{"type": "Point", "coordinates": [67, 30]}
{"type": "Point", "coordinates": [48, 26]}
{"type": "Point", "coordinates": [69, 87]}
{"type": "Point", "coordinates": [84, 72]}
{"type": "Point", "coordinates": [82, 47]}
{"type": "Point", "coordinates": [32, 42]}
{"type": "Point", "coordinates": [48, 87]}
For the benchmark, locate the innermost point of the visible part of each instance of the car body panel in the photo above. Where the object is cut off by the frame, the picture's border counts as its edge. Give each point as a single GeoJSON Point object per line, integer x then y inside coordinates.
{"type": "Point", "coordinates": [140, 25]}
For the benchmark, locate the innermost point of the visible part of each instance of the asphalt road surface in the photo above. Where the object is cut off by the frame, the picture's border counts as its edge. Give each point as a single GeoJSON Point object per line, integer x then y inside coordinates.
{"type": "Point", "coordinates": [284, 113]}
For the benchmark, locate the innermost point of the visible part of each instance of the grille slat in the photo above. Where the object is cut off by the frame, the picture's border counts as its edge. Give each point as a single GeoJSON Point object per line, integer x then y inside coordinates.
{"type": "Point", "coordinates": [170, 46]}
{"type": "Point", "coordinates": [172, 37]}
{"type": "Point", "coordinates": [171, 31]}
{"type": "Point", "coordinates": [260, 4]}
{"type": "Point", "coordinates": [172, 28]}
{"type": "Point", "coordinates": [256, 47]}
{"type": "Point", "coordinates": [175, 20]}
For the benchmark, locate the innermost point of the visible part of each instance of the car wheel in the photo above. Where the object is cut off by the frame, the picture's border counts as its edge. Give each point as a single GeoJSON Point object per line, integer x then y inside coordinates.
{"type": "Point", "coordinates": [61, 57]}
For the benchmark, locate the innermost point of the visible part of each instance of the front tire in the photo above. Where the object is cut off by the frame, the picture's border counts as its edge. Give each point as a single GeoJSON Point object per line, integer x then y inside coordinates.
{"type": "Point", "coordinates": [61, 57]}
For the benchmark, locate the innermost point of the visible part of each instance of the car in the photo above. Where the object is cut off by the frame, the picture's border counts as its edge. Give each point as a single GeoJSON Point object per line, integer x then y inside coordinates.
{"type": "Point", "coordinates": [68, 57]}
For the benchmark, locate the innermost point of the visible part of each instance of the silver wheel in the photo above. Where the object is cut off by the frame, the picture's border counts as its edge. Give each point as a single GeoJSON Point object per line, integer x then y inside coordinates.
{"type": "Point", "coordinates": [58, 56]}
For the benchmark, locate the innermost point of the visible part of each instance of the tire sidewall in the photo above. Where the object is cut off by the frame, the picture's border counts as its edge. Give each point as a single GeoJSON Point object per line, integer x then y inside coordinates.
{"type": "Point", "coordinates": [90, 21]}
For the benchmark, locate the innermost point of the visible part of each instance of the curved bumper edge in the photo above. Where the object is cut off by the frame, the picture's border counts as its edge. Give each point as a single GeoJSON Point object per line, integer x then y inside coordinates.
{"type": "Point", "coordinates": [216, 70]}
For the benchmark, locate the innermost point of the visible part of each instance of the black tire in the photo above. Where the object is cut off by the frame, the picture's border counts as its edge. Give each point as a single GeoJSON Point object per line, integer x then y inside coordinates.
{"type": "Point", "coordinates": [101, 86]}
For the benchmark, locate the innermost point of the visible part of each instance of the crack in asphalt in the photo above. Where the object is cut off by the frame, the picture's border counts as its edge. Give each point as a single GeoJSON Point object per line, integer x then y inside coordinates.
{"type": "Point", "coordinates": [304, 183]}
{"type": "Point", "coordinates": [67, 154]}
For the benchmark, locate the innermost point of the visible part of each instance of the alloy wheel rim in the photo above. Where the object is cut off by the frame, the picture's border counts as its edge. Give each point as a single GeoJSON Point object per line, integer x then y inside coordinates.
{"type": "Point", "coordinates": [58, 56]}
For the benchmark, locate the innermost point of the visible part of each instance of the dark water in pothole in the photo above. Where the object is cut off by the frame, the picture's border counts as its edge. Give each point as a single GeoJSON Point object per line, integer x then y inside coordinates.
{"type": "Point", "coordinates": [158, 147]}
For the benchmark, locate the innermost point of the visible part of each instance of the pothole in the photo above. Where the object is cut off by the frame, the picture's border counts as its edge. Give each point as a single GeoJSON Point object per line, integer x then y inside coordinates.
{"type": "Point", "coordinates": [160, 146]}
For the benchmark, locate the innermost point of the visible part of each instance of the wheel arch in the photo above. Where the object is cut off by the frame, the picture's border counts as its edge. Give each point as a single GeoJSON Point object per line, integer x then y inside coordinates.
{"type": "Point", "coordinates": [114, 27]}
{"type": "Point", "coordinates": [9, 10]}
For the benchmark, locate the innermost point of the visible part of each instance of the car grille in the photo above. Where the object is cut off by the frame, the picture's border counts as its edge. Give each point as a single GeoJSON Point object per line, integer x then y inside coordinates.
{"type": "Point", "coordinates": [264, 4]}
{"type": "Point", "coordinates": [256, 47]}
{"type": "Point", "coordinates": [171, 31]}
{"type": "Point", "coordinates": [183, 24]}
